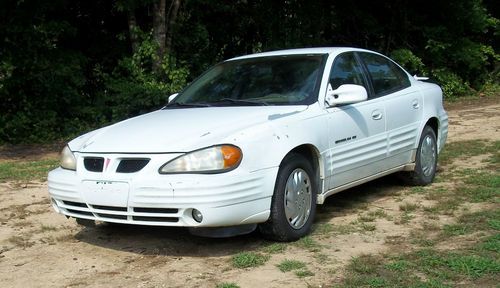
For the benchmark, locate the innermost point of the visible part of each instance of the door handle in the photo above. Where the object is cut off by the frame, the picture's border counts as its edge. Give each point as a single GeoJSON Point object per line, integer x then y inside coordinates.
{"type": "Point", "coordinates": [376, 115]}
{"type": "Point", "coordinates": [415, 104]}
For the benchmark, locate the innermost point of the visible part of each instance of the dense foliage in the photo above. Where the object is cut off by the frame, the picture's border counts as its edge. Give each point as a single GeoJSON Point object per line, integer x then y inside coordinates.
{"type": "Point", "coordinates": [67, 66]}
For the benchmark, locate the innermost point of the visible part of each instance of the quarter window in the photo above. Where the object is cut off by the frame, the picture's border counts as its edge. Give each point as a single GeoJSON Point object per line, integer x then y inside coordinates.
{"type": "Point", "coordinates": [386, 76]}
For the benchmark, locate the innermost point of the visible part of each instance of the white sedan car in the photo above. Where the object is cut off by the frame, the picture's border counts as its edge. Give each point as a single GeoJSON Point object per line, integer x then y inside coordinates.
{"type": "Point", "coordinates": [257, 140]}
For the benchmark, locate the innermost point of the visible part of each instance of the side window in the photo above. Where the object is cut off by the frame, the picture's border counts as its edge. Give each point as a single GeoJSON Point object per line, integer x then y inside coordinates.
{"type": "Point", "coordinates": [346, 70]}
{"type": "Point", "coordinates": [386, 76]}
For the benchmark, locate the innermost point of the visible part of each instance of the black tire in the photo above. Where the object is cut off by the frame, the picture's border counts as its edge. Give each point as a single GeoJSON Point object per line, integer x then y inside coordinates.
{"type": "Point", "coordinates": [279, 227]}
{"type": "Point", "coordinates": [424, 172]}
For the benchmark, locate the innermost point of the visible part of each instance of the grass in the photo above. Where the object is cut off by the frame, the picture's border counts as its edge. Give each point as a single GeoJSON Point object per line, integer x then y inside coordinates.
{"type": "Point", "coordinates": [379, 213]}
{"type": "Point", "coordinates": [475, 264]}
{"type": "Point", "coordinates": [321, 258]}
{"type": "Point", "coordinates": [491, 243]}
{"type": "Point", "coordinates": [408, 207]}
{"type": "Point", "coordinates": [323, 228]}
{"type": "Point", "coordinates": [344, 229]}
{"type": "Point", "coordinates": [299, 267]}
{"type": "Point", "coordinates": [367, 227]}
{"type": "Point", "coordinates": [26, 171]}
{"type": "Point", "coordinates": [437, 269]}
{"type": "Point", "coordinates": [249, 259]}
{"type": "Point", "coordinates": [308, 243]}
{"type": "Point", "coordinates": [421, 238]}
{"type": "Point", "coordinates": [227, 285]}
{"type": "Point", "coordinates": [328, 230]}
{"type": "Point", "coordinates": [444, 206]}
{"type": "Point", "coordinates": [467, 148]}
{"type": "Point", "coordinates": [474, 261]}
{"type": "Point", "coordinates": [289, 265]}
{"type": "Point", "coordinates": [404, 218]}
{"type": "Point", "coordinates": [304, 273]}
{"type": "Point", "coordinates": [480, 186]}
{"type": "Point", "coordinates": [455, 230]}
{"type": "Point", "coordinates": [275, 248]}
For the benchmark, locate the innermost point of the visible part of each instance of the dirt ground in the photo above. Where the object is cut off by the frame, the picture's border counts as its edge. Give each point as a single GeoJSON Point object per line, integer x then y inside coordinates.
{"type": "Point", "coordinates": [39, 248]}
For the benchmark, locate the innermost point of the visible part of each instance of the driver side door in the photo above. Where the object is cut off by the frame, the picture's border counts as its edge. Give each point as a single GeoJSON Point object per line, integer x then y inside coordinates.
{"type": "Point", "coordinates": [356, 132]}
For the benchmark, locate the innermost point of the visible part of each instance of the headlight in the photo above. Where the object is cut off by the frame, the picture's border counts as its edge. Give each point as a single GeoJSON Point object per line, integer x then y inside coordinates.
{"type": "Point", "coordinates": [216, 159]}
{"type": "Point", "coordinates": [68, 160]}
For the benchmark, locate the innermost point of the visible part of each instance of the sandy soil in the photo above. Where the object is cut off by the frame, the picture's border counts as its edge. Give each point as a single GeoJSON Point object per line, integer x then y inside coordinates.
{"type": "Point", "coordinates": [39, 248]}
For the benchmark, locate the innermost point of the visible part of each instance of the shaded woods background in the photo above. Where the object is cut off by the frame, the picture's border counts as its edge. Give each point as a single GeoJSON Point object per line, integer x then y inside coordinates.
{"type": "Point", "coordinates": [67, 66]}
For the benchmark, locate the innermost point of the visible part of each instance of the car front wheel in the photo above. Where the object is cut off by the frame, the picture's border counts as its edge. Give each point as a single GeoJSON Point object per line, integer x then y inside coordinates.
{"type": "Point", "coordinates": [294, 201]}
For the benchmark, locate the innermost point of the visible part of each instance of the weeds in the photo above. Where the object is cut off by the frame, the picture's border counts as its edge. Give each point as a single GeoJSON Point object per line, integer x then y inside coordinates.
{"type": "Point", "coordinates": [292, 265]}
{"type": "Point", "coordinates": [275, 248]}
{"type": "Point", "coordinates": [476, 263]}
{"type": "Point", "coordinates": [249, 259]}
{"type": "Point", "coordinates": [227, 285]}
{"type": "Point", "coordinates": [467, 148]}
{"type": "Point", "coordinates": [308, 243]}
{"type": "Point", "coordinates": [26, 171]}
{"type": "Point", "coordinates": [408, 207]}
{"type": "Point", "coordinates": [289, 265]}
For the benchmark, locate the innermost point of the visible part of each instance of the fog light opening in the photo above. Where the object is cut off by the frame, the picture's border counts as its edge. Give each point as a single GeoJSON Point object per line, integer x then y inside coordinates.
{"type": "Point", "coordinates": [197, 216]}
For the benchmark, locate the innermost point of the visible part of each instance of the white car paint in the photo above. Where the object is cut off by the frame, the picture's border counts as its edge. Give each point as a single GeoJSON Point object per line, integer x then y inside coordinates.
{"type": "Point", "coordinates": [377, 137]}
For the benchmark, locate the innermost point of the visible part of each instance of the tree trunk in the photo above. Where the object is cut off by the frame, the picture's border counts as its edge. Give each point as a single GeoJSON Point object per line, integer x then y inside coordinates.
{"type": "Point", "coordinates": [159, 31]}
{"type": "Point", "coordinates": [173, 11]}
{"type": "Point", "coordinates": [133, 31]}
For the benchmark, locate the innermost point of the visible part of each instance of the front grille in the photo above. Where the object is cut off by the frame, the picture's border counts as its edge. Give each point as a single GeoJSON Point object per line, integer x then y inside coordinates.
{"type": "Point", "coordinates": [122, 214]}
{"type": "Point", "coordinates": [75, 204]}
{"type": "Point", "coordinates": [94, 164]}
{"type": "Point", "coordinates": [112, 216]}
{"type": "Point", "coordinates": [156, 210]}
{"type": "Point", "coordinates": [80, 212]}
{"type": "Point", "coordinates": [155, 219]}
{"type": "Point", "coordinates": [131, 165]}
{"type": "Point", "coordinates": [110, 208]}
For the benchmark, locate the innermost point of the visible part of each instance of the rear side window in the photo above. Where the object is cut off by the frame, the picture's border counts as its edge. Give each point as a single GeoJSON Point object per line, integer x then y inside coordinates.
{"type": "Point", "coordinates": [386, 76]}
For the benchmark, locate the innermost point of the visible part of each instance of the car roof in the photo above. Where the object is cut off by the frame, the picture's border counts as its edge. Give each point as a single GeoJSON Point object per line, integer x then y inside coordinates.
{"type": "Point", "coordinates": [319, 50]}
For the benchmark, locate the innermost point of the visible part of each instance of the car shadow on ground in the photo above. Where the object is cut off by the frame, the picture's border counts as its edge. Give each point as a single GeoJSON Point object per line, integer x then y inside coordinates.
{"type": "Point", "coordinates": [352, 200]}
{"type": "Point", "coordinates": [174, 241]}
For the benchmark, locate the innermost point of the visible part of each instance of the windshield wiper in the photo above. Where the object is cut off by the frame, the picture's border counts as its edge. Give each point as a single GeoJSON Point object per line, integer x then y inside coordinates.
{"type": "Point", "coordinates": [243, 101]}
{"type": "Point", "coordinates": [177, 104]}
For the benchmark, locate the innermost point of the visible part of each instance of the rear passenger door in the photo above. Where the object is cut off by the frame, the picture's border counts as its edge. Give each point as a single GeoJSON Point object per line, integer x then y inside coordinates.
{"type": "Point", "coordinates": [403, 106]}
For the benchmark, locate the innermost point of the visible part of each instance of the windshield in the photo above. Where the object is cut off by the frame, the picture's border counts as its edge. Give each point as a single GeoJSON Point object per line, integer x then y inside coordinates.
{"type": "Point", "coordinates": [276, 80]}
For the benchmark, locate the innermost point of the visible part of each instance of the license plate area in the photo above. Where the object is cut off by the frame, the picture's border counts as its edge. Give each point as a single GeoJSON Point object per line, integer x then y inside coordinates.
{"type": "Point", "coordinates": [107, 193]}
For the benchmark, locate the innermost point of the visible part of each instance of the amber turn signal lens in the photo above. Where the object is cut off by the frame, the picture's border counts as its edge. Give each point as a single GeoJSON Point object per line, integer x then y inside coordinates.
{"type": "Point", "coordinates": [231, 154]}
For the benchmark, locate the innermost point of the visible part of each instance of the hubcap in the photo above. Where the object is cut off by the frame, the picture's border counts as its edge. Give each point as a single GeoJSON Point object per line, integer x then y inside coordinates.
{"type": "Point", "coordinates": [298, 198]}
{"type": "Point", "coordinates": [428, 156]}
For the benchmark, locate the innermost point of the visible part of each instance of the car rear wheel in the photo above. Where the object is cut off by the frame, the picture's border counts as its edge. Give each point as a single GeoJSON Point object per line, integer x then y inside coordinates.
{"type": "Point", "coordinates": [294, 201]}
{"type": "Point", "coordinates": [426, 159]}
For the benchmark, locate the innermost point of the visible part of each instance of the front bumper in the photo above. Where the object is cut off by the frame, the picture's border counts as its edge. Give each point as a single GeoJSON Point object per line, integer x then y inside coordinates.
{"type": "Point", "coordinates": [143, 198]}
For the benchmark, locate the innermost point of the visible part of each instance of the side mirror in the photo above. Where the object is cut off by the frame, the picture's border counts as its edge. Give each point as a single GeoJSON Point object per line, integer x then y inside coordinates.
{"type": "Point", "coordinates": [345, 94]}
{"type": "Point", "coordinates": [172, 97]}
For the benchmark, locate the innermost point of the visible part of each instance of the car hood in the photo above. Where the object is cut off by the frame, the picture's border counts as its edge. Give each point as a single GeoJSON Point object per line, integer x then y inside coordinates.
{"type": "Point", "coordinates": [178, 130]}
